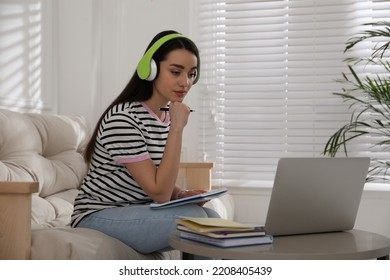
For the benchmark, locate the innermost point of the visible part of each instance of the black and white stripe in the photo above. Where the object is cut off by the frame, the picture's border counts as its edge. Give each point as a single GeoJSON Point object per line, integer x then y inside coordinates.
{"type": "Point", "coordinates": [127, 133]}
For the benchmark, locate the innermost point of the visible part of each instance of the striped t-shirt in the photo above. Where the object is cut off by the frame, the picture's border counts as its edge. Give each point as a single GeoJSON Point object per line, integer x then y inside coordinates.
{"type": "Point", "coordinates": [129, 132]}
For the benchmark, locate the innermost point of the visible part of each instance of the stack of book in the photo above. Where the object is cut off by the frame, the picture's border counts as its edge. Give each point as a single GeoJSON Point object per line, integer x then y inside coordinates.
{"type": "Point", "coordinates": [221, 232]}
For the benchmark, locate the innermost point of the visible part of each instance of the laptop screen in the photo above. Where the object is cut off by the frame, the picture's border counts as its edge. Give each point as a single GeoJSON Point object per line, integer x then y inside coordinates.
{"type": "Point", "coordinates": [313, 195]}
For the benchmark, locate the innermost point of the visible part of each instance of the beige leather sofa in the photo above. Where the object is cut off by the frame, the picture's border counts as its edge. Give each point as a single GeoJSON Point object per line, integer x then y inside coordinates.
{"type": "Point", "coordinates": [41, 169]}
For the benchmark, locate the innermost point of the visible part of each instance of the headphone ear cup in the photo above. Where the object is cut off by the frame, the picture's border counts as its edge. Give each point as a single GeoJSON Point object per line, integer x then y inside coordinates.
{"type": "Point", "coordinates": [153, 71]}
{"type": "Point", "coordinates": [147, 68]}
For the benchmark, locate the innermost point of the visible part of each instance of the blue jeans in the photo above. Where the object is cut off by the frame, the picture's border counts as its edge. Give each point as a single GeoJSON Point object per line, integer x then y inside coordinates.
{"type": "Point", "coordinates": [140, 227]}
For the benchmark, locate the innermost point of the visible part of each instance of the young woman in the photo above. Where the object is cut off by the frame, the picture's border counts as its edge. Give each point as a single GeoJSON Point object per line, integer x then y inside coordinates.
{"type": "Point", "coordinates": [134, 152]}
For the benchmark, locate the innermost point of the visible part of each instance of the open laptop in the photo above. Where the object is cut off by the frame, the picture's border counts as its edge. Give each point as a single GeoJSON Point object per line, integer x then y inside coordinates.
{"type": "Point", "coordinates": [313, 195]}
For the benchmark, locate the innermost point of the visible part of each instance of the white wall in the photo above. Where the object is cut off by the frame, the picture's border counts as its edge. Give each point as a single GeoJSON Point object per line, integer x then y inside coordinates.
{"type": "Point", "coordinates": [75, 57]}
{"type": "Point", "coordinates": [28, 65]}
{"type": "Point", "coordinates": [251, 206]}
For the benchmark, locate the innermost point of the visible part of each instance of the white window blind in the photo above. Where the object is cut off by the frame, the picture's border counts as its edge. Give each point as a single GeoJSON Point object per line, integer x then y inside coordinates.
{"type": "Point", "coordinates": [26, 55]}
{"type": "Point", "coordinates": [269, 71]}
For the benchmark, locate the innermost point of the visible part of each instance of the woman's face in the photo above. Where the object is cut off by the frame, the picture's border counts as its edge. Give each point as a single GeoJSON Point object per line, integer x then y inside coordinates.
{"type": "Point", "coordinates": [176, 75]}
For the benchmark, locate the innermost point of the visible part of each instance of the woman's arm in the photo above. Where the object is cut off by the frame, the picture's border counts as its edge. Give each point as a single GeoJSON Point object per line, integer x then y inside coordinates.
{"type": "Point", "coordinates": [159, 183]}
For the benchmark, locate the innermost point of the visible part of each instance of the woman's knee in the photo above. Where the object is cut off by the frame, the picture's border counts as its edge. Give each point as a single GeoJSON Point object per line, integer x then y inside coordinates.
{"type": "Point", "coordinates": [211, 213]}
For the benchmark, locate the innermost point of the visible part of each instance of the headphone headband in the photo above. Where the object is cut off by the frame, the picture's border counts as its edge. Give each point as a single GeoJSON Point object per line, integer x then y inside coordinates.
{"type": "Point", "coordinates": [147, 68]}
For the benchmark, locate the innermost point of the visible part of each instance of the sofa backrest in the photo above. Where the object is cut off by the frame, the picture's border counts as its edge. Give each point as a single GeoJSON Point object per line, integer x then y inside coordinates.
{"type": "Point", "coordinates": [47, 149]}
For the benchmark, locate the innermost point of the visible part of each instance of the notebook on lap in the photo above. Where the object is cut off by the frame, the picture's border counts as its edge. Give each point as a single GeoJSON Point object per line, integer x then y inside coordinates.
{"type": "Point", "coordinates": [312, 195]}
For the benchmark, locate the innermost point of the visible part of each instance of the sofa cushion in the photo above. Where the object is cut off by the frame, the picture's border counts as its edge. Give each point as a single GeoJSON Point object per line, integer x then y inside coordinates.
{"type": "Point", "coordinates": [52, 211]}
{"type": "Point", "coordinates": [86, 244]}
{"type": "Point", "coordinates": [47, 149]}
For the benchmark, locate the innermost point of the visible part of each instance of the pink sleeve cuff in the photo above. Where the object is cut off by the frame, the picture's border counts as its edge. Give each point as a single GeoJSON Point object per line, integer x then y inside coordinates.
{"type": "Point", "coordinates": [130, 160]}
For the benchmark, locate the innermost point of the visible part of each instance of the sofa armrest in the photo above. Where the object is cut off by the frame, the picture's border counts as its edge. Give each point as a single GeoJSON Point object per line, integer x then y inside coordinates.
{"type": "Point", "coordinates": [15, 219]}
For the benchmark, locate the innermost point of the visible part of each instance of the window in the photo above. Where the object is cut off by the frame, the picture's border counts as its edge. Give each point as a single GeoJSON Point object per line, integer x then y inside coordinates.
{"type": "Point", "coordinates": [26, 55]}
{"type": "Point", "coordinates": [269, 69]}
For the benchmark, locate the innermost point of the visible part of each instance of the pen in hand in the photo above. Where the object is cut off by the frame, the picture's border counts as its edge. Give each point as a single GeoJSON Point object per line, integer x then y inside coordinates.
{"type": "Point", "coordinates": [167, 109]}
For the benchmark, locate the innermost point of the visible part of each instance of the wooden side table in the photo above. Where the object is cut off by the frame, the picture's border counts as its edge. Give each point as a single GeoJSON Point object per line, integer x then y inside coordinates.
{"type": "Point", "coordinates": [197, 175]}
{"type": "Point", "coordinates": [15, 219]}
{"type": "Point", "coordinates": [348, 245]}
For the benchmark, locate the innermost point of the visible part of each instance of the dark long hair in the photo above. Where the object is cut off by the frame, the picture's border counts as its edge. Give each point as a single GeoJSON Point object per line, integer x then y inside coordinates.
{"type": "Point", "coordinates": [142, 90]}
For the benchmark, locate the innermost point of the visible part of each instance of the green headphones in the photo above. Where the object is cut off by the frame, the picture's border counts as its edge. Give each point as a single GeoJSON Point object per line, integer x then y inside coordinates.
{"type": "Point", "coordinates": [147, 67]}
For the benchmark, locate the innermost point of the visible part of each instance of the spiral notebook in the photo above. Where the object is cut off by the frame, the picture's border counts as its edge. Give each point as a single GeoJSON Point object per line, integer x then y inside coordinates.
{"type": "Point", "coordinates": [191, 199]}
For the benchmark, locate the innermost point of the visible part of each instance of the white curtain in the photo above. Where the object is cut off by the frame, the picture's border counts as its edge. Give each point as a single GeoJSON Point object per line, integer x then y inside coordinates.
{"type": "Point", "coordinates": [269, 71]}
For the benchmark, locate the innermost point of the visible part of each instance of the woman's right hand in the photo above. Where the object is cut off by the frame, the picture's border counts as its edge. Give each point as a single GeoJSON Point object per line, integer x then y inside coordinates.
{"type": "Point", "coordinates": [179, 113]}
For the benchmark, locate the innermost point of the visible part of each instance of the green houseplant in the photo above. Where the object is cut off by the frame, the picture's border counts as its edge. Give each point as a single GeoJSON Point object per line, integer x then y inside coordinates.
{"type": "Point", "coordinates": [369, 96]}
